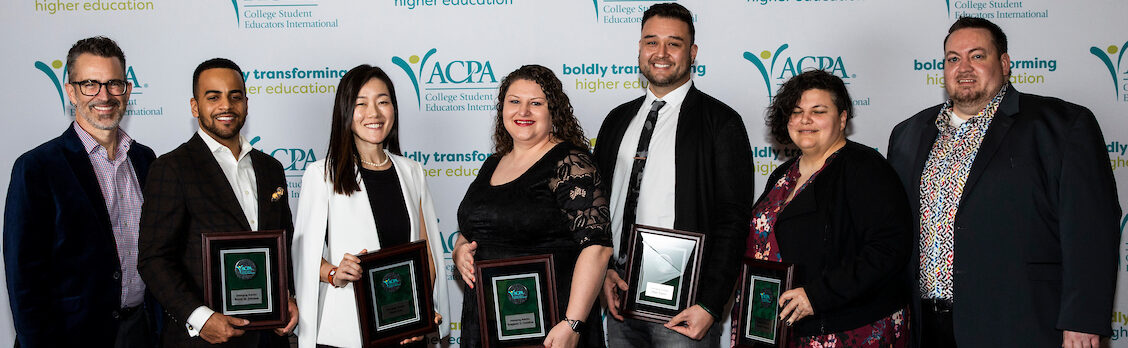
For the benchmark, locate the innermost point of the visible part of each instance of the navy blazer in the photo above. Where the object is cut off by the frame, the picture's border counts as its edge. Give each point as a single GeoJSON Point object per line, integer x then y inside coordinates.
{"type": "Point", "coordinates": [60, 256]}
{"type": "Point", "coordinates": [1036, 232]}
{"type": "Point", "coordinates": [713, 187]}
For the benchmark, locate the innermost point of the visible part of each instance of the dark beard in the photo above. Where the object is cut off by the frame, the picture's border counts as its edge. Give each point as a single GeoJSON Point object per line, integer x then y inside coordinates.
{"type": "Point", "coordinates": [976, 99]}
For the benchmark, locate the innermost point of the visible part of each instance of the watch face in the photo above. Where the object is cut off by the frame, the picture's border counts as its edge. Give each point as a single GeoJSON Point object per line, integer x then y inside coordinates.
{"type": "Point", "coordinates": [575, 324]}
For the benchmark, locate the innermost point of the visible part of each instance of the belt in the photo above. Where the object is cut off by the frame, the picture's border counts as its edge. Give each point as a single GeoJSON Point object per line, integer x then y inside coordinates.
{"type": "Point", "coordinates": [937, 305]}
{"type": "Point", "coordinates": [125, 312]}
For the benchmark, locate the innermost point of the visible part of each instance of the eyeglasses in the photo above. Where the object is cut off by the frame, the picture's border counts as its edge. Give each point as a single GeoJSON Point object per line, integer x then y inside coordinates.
{"type": "Point", "coordinates": [91, 88]}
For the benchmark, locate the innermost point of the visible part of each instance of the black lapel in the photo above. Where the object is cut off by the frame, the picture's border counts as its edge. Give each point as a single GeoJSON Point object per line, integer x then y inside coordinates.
{"type": "Point", "coordinates": [79, 162]}
{"type": "Point", "coordinates": [613, 140]}
{"type": "Point", "coordinates": [217, 189]}
{"type": "Point", "coordinates": [925, 140]}
{"type": "Point", "coordinates": [687, 160]}
{"type": "Point", "coordinates": [993, 140]}
{"type": "Point", "coordinates": [140, 162]}
{"type": "Point", "coordinates": [267, 188]}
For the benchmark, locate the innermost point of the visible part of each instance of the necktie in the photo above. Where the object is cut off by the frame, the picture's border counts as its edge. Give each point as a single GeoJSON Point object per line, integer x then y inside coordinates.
{"type": "Point", "coordinates": [635, 182]}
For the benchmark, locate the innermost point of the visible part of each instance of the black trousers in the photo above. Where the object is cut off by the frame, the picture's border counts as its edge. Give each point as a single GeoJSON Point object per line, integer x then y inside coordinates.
{"type": "Point", "coordinates": [134, 330]}
{"type": "Point", "coordinates": [936, 324]}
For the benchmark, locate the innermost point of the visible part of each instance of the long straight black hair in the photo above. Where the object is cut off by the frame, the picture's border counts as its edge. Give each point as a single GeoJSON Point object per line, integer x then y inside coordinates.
{"type": "Point", "coordinates": [343, 157]}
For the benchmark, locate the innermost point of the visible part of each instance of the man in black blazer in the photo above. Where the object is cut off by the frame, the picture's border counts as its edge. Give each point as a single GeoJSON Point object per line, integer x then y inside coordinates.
{"type": "Point", "coordinates": [1016, 205]}
{"type": "Point", "coordinates": [70, 221]}
{"type": "Point", "coordinates": [697, 166]}
{"type": "Point", "coordinates": [213, 183]}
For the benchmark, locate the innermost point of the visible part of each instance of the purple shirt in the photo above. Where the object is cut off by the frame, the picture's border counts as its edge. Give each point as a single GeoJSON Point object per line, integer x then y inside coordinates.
{"type": "Point", "coordinates": [122, 195]}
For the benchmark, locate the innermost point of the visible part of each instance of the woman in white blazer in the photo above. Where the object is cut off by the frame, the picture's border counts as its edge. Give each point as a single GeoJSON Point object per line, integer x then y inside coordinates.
{"type": "Point", "coordinates": [361, 197]}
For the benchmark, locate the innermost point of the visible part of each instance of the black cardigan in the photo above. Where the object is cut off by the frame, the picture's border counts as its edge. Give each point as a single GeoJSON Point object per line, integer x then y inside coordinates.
{"type": "Point", "coordinates": [713, 186]}
{"type": "Point", "coordinates": [849, 234]}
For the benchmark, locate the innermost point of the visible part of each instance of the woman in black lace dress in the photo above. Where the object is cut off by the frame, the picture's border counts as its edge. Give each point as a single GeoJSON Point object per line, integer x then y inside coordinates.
{"type": "Point", "coordinates": [538, 194]}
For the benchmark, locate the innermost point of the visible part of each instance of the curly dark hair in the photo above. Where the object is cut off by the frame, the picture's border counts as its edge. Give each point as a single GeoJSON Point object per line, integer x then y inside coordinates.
{"type": "Point", "coordinates": [565, 127]}
{"type": "Point", "coordinates": [779, 112]}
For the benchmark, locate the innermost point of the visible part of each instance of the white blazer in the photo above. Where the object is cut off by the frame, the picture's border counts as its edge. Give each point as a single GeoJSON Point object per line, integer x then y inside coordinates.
{"type": "Point", "coordinates": [328, 315]}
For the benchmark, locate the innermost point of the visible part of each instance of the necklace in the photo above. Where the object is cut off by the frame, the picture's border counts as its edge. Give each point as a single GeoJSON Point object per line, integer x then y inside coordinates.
{"type": "Point", "coordinates": [377, 165]}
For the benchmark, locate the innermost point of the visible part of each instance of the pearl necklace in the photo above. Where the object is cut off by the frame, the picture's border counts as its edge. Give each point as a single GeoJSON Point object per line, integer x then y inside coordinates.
{"type": "Point", "coordinates": [377, 165]}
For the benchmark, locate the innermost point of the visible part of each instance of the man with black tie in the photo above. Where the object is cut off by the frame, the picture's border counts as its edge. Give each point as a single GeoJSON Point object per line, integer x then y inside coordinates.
{"type": "Point", "coordinates": [1017, 208]}
{"type": "Point", "coordinates": [678, 159]}
{"type": "Point", "coordinates": [70, 221]}
{"type": "Point", "coordinates": [215, 182]}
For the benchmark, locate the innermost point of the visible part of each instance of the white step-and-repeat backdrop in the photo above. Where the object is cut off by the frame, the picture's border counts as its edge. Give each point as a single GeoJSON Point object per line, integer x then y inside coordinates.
{"type": "Point", "coordinates": [446, 58]}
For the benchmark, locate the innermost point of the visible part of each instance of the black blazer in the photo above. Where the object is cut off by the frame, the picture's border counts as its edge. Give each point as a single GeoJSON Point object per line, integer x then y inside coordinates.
{"type": "Point", "coordinates": [849, 234]}
{"type": "Point", "coordinates": [187, 194]}
{"type": "Point", "coordinates": [60, 256]}
{"type": "Point", "coordinates": [1036, 232]}
{"type": "Point", "coordinates": [713, 184]}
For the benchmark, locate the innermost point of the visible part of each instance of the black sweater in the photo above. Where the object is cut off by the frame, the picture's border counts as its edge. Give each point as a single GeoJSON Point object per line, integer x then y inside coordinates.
{"type": "Point", "coordinates": [849, 233]}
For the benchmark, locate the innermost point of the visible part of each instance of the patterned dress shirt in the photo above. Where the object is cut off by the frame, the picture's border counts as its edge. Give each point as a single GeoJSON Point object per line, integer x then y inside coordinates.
{"type": "Point", "coordinates": [122, 193]}
{"type": "Point", "coordinates": [941, 187]}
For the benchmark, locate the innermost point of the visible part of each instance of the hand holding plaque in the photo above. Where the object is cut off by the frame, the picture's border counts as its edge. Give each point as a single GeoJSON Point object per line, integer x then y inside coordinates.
{"type": "Point", "coordinates": [756, 312]}
{"type": "Point", "coordinates": [246, 275]}
{"type": "Point", "coordinates": [516, 300]}
{"type": "Point", "coordinates": [662, 272]}
{"type": "Point", "coordinates": [394, 294]}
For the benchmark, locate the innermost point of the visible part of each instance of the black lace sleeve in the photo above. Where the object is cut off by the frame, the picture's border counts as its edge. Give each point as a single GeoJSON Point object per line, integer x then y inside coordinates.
{"type": "Point", "coordinates": [577, 187]}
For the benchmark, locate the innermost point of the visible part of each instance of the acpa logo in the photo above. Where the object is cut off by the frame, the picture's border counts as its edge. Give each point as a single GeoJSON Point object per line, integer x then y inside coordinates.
{"type": "Point", "coordinates": [453, 74]}
{"type": "Point", "coordinates": [778, 71]}
{"type": "Point", "coordinates": [293, 159]}
{"type": "Point", "coordinates": [1118, 72]}
{"type": "Point", "coordinates": [57, 73]}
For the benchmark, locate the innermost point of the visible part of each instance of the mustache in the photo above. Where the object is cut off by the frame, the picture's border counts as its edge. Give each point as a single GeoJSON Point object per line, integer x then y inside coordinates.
{"type": "Point", "coordinates": [110, 102]}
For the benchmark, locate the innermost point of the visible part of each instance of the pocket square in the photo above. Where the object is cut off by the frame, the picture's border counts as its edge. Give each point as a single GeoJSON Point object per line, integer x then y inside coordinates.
{"type": "Point", "coordinates": [278, 193]}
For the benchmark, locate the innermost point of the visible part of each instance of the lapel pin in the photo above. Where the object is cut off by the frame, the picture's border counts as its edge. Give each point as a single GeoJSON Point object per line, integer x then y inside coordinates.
{"type": "Point", "coordinates": [278, 193]}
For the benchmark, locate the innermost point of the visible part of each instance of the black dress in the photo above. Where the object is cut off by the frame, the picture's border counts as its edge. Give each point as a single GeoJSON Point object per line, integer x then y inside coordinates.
{"type": "Point", "coordinates": [556, 207]}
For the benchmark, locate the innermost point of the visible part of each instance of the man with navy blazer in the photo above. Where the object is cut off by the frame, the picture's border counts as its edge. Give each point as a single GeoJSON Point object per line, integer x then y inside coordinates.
{"type": "Point", "coordinates": [215, 182]}
{"type": "Point", "coordinates": [678, 158]}
{"type": "Point", "coordinates": [1016, 205]}
{"type": "Point", "coordinates": [71, 218]}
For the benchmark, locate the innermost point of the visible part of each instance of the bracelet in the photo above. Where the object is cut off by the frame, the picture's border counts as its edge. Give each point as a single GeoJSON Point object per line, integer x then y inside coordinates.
{"type": "Point", "coordinates": [332, 273]}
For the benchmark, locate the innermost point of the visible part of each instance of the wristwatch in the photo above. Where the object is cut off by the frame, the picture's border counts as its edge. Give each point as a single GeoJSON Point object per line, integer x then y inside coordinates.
{"type": "Point", "coordinates": [577, 325]}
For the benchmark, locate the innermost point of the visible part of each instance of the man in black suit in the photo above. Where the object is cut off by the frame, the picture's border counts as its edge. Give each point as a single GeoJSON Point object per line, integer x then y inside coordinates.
{"type": "Point", "coordinates": [680, 159]}
{"type": "Point", "coordinates": [1017, 208]}
{"type": "Point", "coordinates": [215, 182]}
{"type": "Point", "coordinates": [70, 221]}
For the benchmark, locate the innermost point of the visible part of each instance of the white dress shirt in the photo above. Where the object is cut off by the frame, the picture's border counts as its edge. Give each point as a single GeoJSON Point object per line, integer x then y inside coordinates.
{"type": "Point", "coordinates": [241, 175]}
{"type": "Point", "coordinates": [656, 192]}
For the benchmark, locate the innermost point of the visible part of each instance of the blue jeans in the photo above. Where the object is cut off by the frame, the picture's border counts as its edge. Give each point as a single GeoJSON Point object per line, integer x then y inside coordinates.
{"type": "Point", "coordinates": [638, 333]}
